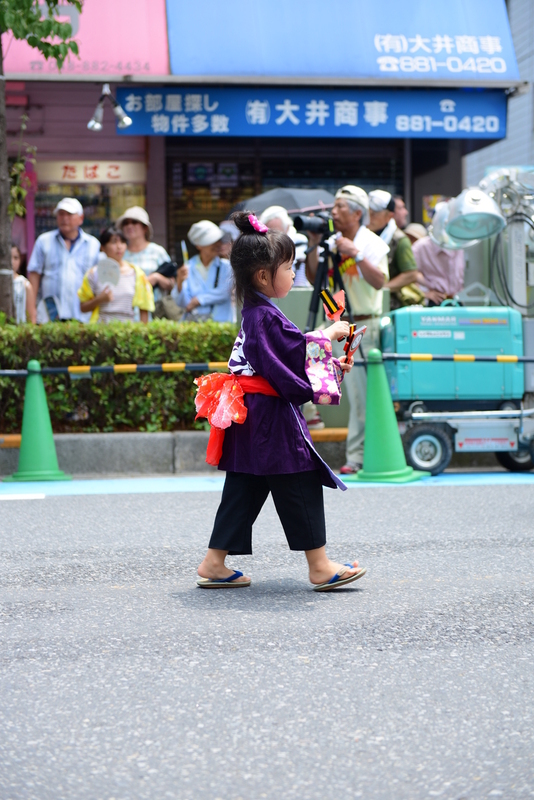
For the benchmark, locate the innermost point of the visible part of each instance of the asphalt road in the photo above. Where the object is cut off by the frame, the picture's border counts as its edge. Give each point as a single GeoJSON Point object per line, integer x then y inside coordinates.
{"type": "Point", "coordinates": [119, 679]}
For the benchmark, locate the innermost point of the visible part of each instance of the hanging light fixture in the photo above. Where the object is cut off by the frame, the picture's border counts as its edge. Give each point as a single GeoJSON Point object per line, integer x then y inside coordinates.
{"type": "Point", "coordinates": [438, 233]}
{"type": "Point", "coordinates": [124, 121]}
{"type": "Point", "coordinates": [95, 123]}
{"type": "Point", "coordinates": [474, 215]}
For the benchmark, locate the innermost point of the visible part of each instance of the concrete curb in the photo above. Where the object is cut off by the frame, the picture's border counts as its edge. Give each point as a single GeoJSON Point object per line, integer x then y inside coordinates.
{"type": "Point", "coordinates": [124, 453]}
{"type": "Point", "coordinates": [167, 454]}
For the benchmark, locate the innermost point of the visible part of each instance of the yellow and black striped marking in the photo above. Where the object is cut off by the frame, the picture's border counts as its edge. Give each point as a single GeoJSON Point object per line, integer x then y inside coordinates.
{"type": "Point", "coordinates": [328, 300]}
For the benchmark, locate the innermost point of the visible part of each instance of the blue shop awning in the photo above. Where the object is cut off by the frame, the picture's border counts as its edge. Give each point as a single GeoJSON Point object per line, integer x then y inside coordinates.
{"type": "Point", "coordinates": [417, 42]}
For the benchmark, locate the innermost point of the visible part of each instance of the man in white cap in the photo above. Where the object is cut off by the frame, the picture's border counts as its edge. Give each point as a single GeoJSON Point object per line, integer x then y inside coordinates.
{"type": "Point", "coordinates": [58, 262]}
{"type": "Point", "coordinates": [402, 266]}
{"type": "Point", "coordinates": [204, 285]}
{"type": "Point", "coordinates": [363, 264]}
{"type": "Point", "coordinates": [277, 219]}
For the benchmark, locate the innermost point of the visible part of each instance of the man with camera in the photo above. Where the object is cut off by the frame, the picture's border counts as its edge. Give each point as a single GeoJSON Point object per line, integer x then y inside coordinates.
{"type": "Point", "coordinates": [363, 265]}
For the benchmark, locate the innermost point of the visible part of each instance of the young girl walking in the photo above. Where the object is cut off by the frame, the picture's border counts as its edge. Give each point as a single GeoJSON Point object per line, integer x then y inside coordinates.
{"type": "Point", "coordinates": [258, 434]}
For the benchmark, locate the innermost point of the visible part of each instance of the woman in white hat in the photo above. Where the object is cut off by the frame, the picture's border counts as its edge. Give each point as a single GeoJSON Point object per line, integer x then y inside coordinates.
{"type": "Point", "coordinates": [204, 286]}
{"type": "Point", "coordinates": [136, 226]}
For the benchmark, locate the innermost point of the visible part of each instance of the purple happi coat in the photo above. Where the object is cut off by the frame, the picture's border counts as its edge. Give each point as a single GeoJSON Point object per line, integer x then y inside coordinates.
{"type": "Point", "coordinates": [274, 439]}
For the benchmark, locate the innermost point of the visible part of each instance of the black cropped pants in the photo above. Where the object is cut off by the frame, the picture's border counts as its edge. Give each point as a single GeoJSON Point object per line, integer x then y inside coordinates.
{"type": "Point", "coordinates": [298, 498]}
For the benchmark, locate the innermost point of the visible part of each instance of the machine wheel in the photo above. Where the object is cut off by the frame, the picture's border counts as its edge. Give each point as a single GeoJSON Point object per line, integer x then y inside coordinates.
{"type": "Point", "coordinates": [516, 462]}
{"type": "Point", "coordinates": [427, 447]}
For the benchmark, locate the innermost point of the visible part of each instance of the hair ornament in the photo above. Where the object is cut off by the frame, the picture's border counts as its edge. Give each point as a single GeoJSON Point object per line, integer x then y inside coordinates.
{"type": "Point", "coordinates": [257, 225]}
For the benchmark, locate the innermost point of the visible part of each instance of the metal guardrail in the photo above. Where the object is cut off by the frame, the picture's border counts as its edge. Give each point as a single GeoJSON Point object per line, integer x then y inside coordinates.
{"type": "Point", "coordinates": [443, 416]}
{"type": "Point", "coordinates": [460, 357]}
{"type": "Point", "coordinates": [214, 366]}
{"type": "Point", "coordinates": [120, 369]}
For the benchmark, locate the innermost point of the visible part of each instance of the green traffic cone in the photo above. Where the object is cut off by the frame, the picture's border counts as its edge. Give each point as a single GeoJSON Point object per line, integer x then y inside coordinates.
{"type": "Point", "coordinates": [383, 454]}
{"type": "Point", "coordinates": [37, 457]}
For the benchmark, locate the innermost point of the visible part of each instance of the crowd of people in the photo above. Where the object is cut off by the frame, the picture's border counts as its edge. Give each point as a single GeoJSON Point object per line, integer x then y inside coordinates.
{"type": "Point", "coordinates": [63, 280]}
{"type": "Point", "coordinates": [375, 249]}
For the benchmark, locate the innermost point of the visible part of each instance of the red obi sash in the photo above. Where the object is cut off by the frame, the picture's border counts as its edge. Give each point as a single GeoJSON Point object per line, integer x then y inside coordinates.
{"type": "Point", "coordinates": [220, 399]}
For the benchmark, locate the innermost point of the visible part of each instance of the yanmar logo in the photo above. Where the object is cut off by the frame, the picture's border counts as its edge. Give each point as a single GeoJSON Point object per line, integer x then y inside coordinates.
{"type": "Point", "coordinates": [441, 320]}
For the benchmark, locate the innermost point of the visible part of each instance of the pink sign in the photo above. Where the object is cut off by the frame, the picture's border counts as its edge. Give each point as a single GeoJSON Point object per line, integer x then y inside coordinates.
{"type": "Point", "coordinates": [114, 38]}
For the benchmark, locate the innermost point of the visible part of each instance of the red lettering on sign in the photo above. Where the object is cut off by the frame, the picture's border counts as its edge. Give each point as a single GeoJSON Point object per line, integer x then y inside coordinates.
{"type": "Point", "coordinates": [90, 171]}
{"type": "Point", "coordinates": [69, 172]}
{"type": "Point", "coordinates": [113, 173]}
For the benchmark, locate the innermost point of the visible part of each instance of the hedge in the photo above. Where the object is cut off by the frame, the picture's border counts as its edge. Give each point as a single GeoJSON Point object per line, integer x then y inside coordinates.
{"type": "Point", "coordinates": [141, 402]}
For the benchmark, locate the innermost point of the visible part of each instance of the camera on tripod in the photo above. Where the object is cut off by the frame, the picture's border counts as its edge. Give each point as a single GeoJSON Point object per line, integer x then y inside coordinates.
{"type": "Point", "coordinates": [322, 223]}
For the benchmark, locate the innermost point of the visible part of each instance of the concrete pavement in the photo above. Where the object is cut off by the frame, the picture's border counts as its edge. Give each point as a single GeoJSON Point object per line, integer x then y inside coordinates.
{"type": "Point", "coordinates": [120, 679]}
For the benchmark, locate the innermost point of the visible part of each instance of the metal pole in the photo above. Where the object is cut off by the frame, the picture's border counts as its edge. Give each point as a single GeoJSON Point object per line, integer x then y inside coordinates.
{"type": "Point", "coordinates": [517, 269]}
{"type": "Point", "coordinates": [408, 176]}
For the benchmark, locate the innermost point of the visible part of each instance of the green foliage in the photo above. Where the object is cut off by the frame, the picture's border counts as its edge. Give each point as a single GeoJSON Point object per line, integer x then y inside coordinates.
{"type": "Point", "coordinates": [23, 18]}
{"type": "Point", "coordinates": [144, 402]}
{"type": "Point", "coordinates": [20, 183]}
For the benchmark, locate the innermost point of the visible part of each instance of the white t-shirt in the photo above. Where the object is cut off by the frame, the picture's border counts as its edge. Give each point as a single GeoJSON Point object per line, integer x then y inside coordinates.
{"type": "Point", "coordinates": [20, 286]}
{"type": "Point", "coordinates": [363, 298]}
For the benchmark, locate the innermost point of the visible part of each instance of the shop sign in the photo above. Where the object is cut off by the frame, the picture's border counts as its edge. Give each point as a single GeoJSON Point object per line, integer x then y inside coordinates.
{"type": "Point", "coordinates": [91, 172]}
{"type": "Point", "coordinates": [464, 41]}
{"type": "Point", "coordinates": [319, 112]}
{"type": "Point", "coordinates": [113, 39]}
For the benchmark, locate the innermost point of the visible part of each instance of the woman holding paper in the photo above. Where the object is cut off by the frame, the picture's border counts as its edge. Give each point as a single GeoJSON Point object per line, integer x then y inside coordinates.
{"type": "Point", "coordinates": [116, 295]}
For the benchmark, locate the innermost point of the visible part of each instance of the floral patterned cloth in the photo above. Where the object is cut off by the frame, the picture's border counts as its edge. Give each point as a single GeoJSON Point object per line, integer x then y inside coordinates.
{"type": "Point", "coordinates": [322, 369]}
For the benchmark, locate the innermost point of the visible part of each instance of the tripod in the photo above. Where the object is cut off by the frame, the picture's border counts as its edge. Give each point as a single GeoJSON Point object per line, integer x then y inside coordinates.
{"type": "Point", "coordinates": [321, 282]}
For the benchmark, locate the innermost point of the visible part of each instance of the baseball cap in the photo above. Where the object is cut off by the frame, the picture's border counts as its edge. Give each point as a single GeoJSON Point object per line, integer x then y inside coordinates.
{"type": "Point", "coordinates": [204, 233]}
{"type": "Point", "coordinates": [358, 196]}
{"type": "Point", "coordinates": [379, 200]}
{"type": "Point", "coordinates": [353, 193]}
{"type": "Point", "coordinates": [139, 215]}
{"type": "Point", "coordinates": [276, 212]}
{"type": "Point", "coordinates": [70, 205]}
{"type": "Point", "coordinates": [416, 230]}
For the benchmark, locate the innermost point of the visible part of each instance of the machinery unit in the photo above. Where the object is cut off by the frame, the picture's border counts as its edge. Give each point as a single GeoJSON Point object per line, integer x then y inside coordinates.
{"type": "Point", "coordinates": [452, 330]}
{"type": "Point", "coordinates": [467, 406]}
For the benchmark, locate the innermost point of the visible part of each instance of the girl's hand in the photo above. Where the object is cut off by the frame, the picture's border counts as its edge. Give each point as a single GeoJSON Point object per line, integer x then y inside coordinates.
{"type": "Point", "coordinates": [337, 330]}
{"type": "Point", "coordinates": [105, 297]}
{"type": "Point", "coordinates": [343, 364]}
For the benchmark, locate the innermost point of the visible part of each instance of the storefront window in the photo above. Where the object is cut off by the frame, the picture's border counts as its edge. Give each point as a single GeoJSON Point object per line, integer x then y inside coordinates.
{"type": "Point", "coordinates": [371, 172]}
{"type": "Point", "coordinates": [204, 184]}
{"type": "Point", "coordinates": [102, 203]}
{"type": "Point", "coordinates": [204, 190]}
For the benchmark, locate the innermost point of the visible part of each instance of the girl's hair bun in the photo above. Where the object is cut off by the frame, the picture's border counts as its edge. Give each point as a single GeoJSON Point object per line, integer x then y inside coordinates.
{"type": "Point", "coordinates": [242, 222]}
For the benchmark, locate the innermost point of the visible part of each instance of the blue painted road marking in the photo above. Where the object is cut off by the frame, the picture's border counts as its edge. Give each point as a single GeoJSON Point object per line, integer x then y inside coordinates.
{"type": "Point", "coordinates": [214, 483]}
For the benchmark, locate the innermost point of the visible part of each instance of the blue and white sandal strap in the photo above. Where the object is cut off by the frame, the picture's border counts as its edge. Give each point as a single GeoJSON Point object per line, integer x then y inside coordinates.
{"type": "Point", "coordinates": [339, 574]}
{"type": "Point", "coordinates": [233, 577]}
